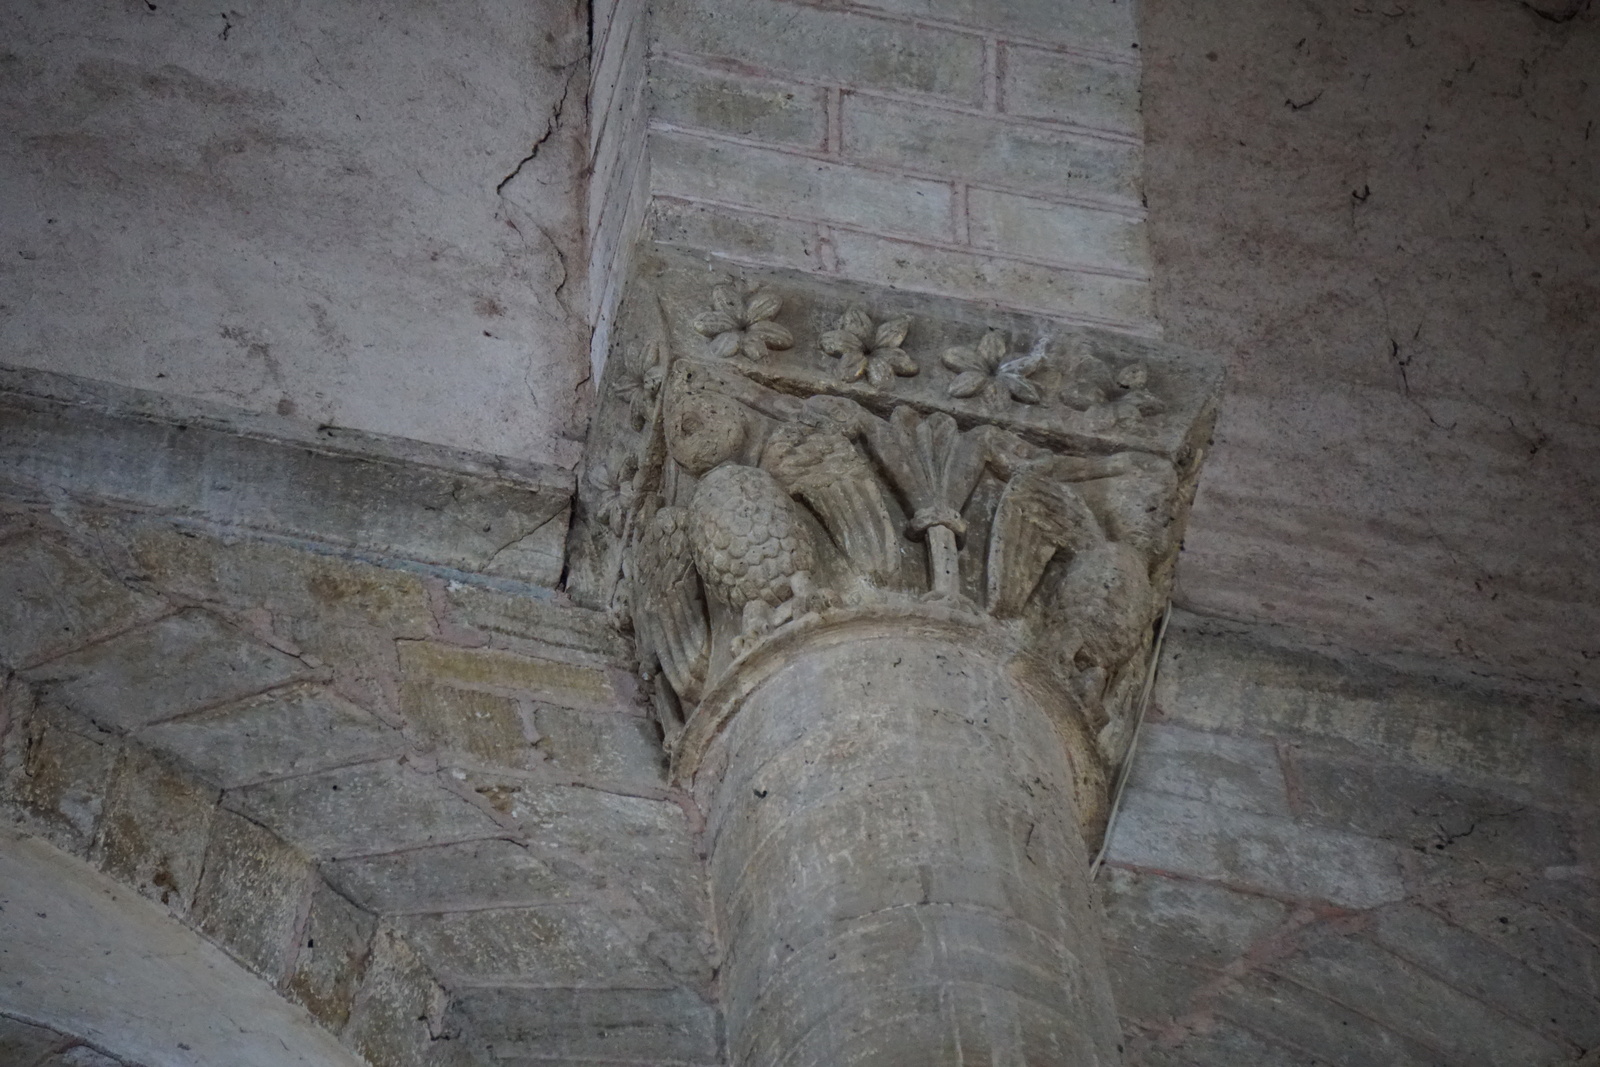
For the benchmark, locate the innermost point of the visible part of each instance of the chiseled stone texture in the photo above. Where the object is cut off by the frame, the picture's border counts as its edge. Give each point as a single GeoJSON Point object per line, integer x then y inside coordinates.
{"type": "Point", "coordinates": [429, 810]}
{"type": "Point", "coordinates": [1328, 861]}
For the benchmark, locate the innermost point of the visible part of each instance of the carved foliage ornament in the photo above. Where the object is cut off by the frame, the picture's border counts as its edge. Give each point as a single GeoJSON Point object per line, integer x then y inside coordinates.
{"type": "Point", "coordinates": [767, 508]}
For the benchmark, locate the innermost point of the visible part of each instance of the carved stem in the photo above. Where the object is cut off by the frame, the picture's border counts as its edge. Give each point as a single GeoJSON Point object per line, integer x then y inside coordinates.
{"type": "Point", "coordinates": [944, 564]}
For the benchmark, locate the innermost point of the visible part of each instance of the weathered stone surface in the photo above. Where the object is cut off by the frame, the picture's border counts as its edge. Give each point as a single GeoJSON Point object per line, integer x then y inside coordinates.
{"type": "Point", "coordinates": [331, 958]}
{"type": "Point", "coordinates": [1434, 815]}
{"type": "Point", "coordinates": [526, 618]}
{"type": "Point", "coordinates": [1362, 977]}
{"type": "Point", "coordinates": [835, 46]}
{"type": "Point", "coordinates": [774, 182]}
{"type": "Point", "coordinates": [1106, 24]}
{"type": "Point", "coordinates": [52, 602]}
{"type": "Point", "coordinates": [1154, 991]}
{"type": "Point", "coordinates": [529, 1027]}
{"type": "Point", "coordinates": [250, 895]}
{"type": "Point", "coordinates": [1184, 921]}
{"type": "Point", "coordinates": [1029, 158]}
{"type": "Point", "coordinates": [771, 111]}
{"type": "Point", "coordinates": [1221, 1045]}
{"type": "Point", "coordinates": [24, 1044]}
{"type": "Point", "coordinates": [491, 670]}
{"type": "Point", "coordinates": [57, 770]}
{"type": "Point", "coordinates": [1525, 932]}
{"type": "Point", "coordinates": [397, 1018]}
{"type": "Point", "coordinates": [599, 745]}
{"type": "Point", "coordinates": [111, 970]}
{"type": "Point", "coordinates": [181, 664]}
{"type": "Point", "coordinates": [277, 735]}
{"type": "Point", "coordinates": [1045, 84]}
{"type": "Point", "coordinates": [154, 831]}
{"type": "Point", "coordinates": [1480, 970]}
{"type": "Point", "coordinates": [1056, 232]}
{"type": "Point", "coordinates": [296, 583]}
{"type": "Point", "coordinates": [480, 726]}
{"type": "Point", "coordinates": [344, 489]}
{"type": "Point", "coordinates": [1272, 854]}
{"type": "Point", "coordinates": [1220, 676]}
{"type": "Point", "coordinates": [456, 877]}
{"type": "Point", "coordinates": [553, 945]}
{"type": "Point", "coordinates": [362, 810]}
{"type": "Point", "coordinates": [1230, 772]}
{"type": "Point", "coordinates": [250, 240]}
{"type": "Point", "coordinates": [1284, 1011]}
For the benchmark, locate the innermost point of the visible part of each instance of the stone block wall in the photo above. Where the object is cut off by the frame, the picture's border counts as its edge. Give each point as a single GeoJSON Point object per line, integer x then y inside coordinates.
{"type": "Point", "coordinates": [987, 152]}
{"type": "Point", "coordinates": [424, 803]}
{"type": "Point", "coordinates": [1322, 861]}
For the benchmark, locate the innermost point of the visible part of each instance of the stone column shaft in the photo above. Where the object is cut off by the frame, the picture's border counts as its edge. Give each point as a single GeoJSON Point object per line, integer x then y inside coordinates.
{"type": "Point", "coordinates": [896, 863]}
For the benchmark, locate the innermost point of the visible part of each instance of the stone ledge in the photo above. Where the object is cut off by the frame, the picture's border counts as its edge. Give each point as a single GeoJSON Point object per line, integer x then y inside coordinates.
{"type": "Point", "coordinates": [391, 499]}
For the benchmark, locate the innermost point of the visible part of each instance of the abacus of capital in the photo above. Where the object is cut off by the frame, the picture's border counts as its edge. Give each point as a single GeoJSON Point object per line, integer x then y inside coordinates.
{"type": "Point", "coordinates": [893, 566]}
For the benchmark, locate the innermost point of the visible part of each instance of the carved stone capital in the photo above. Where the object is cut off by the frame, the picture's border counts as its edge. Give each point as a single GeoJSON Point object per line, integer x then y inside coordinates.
{"type": "Point", "coordinates": [776, 454]}
{"type": "Point", "coordinates": [893, 566]}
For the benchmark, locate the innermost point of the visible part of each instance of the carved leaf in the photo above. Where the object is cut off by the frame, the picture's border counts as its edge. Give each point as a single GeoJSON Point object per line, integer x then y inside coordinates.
{"type": "Point", "coordinates": [841, 343]}
{"type": "Point", "coordinates": [969, 383]}
{"type": "Point", "coordinates": [1021, 390]}
{"type": "Point", "coordinates": [1039, 512]}
{"type": "Point", "coordinates": [902, 363]}
{"type": "Point", "coordinates": [725, 298]}
{"type": "Point", "coordinates": [763, 305]}
{"type": "Point", "coordinates": [724, 345]}
{"type": "Point", "coordinates": [852, 367]}
{"type": "Point", "coordinates": [771, 334]}
{"type": "Point", "coordinates": [891, 334]}
{"type": "Point", "coordinates": [992, 350]}
{"type": "Point", "coordinates": [963, 358]}
{"type": "Point", "coordinates": [821, 466]}
{"type": "Point", "coordinates": [858, 322]}
{"type": "Point", "coordinates": [712, 323]}
{"type": "Point", "coordinates": [880, 372]}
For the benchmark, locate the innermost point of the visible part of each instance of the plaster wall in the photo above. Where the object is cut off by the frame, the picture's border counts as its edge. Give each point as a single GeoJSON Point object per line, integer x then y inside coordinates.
{"type": "Point", "coordinates": [1384, 216]}
{"type": "Point", "coordinates": [364, 217]}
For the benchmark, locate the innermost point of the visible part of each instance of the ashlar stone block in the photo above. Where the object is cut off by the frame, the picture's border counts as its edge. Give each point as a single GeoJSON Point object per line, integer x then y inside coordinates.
{"type": "Point", "coordinates": [288, 732]}
{"type": "Point", "coordinates": [155, 830]}
{"type": "Point", "coordinates": [331, 957]}
{"type": "Point", "coordinates": [180, 664]}
{"type": "Point", "coordinates": [250, 894]}
{"type": "Point", "coordinates": [51, 602]}
{"type": "Point", "coordinates": [362, 810]}
{"type": "Point", "coordinates": [456, 877]}
{"type": "Point", "coordinates": [1276, 855]}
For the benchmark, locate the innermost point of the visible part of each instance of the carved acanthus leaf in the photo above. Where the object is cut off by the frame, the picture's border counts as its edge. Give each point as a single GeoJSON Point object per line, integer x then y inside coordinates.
{"type": "Point", "coordinates": [1040, 512]}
